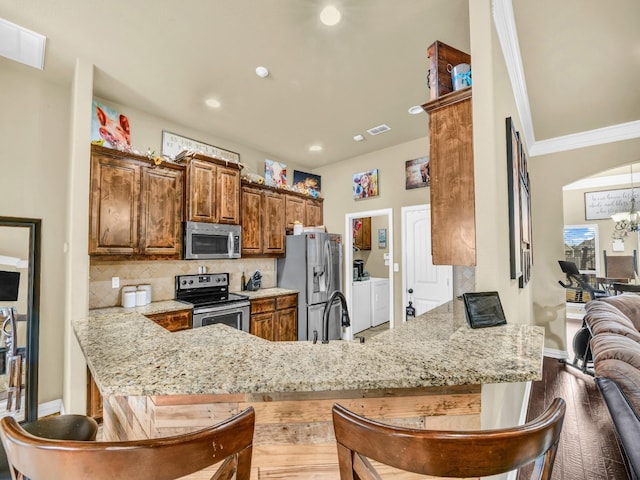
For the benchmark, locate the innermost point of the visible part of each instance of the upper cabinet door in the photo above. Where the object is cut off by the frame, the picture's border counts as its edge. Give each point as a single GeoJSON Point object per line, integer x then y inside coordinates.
{"type": "Point", "coordinates": [201, 191]}
{"type": "Point", "coordinates": [273, 213]}
{"type": "Point", "coordinates": [115, 189]}
{"type": "Point", "coordinates": [251, 221]}
{"type": "Point", "coordinates": [453, 226]}
{"type": "Point", "coordinates": [313, 211]}
{"type": "Point", "coordinates": [228, 196]}
{"type": "Point", "coordinates": [294, 211]}
{"type": "Point", "coordinates": [161, 212]}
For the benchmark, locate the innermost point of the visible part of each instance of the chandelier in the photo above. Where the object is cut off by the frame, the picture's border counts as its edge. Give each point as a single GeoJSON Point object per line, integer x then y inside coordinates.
{"type": "Point", "coordinates": [626, 221]}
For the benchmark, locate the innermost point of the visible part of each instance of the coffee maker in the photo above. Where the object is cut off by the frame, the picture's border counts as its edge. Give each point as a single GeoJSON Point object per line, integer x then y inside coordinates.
{"type": "Point", "coordinates": [358, 269]}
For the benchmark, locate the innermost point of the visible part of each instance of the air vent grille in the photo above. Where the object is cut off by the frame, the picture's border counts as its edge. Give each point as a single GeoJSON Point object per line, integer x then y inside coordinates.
{"type": "Point", "coordinates": [379, 129]}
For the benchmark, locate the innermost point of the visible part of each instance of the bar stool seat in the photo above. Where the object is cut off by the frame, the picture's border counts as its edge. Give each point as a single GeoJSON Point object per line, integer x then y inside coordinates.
{"type": "Point", "coordinates": [59, 427]}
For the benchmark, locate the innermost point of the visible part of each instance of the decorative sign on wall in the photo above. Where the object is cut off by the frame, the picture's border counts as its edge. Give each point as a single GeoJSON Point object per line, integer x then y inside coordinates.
{"type": "Point", "coordinates": [601, 205]}
{"type": "Point", "coordinates": [173, 144]}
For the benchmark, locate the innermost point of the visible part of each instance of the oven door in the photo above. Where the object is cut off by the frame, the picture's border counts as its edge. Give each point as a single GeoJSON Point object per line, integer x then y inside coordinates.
{"type": "Point", "coordinates": [234, 315]}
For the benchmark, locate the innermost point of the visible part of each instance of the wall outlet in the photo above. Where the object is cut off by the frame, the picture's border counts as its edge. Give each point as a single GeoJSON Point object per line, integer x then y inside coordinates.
{"type": "Point", "coordinates": [115, 282]}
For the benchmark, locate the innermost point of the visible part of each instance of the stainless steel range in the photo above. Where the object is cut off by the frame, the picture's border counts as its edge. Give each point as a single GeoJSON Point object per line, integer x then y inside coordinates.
{"type": "Point", "coordinates": [211, 300]}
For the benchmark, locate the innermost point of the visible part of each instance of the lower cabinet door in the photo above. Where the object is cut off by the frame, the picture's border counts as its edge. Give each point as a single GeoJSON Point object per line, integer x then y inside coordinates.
{"type": "Point", "coordinates": [262, 326]}
{"type": "Point", "coordinates": [287, 325]}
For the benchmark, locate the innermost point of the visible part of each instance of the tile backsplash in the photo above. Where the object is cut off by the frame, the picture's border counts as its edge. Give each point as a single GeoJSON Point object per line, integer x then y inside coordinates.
{"type": "Point", "coordinates": [161, 276]}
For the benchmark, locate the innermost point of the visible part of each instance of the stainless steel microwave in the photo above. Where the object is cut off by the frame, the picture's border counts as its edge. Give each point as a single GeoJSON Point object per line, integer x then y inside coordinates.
{"type": "Point", "coordinates": [206, 241]}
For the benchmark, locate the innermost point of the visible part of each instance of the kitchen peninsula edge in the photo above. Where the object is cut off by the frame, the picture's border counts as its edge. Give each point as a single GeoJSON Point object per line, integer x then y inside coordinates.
{"type": "Point", "coordinates": [426, 373]}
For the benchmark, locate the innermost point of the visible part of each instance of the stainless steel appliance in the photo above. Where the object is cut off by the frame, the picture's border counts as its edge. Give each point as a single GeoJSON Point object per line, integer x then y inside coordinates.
{"type": "Point", "coordinates": [211, 300]}
{"type": "Point", "coordinates": [313, 266]}
{"type": "Point", "coordinates": [207, 241]}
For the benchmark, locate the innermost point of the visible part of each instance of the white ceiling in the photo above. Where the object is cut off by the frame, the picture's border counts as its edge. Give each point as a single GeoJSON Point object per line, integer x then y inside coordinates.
{"type": "Point", "coordinates": [580, 60]}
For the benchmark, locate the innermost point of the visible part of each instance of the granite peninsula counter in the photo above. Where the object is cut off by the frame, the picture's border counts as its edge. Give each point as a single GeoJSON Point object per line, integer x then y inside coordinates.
{"type": "Point", "coordinates": [425, 373]}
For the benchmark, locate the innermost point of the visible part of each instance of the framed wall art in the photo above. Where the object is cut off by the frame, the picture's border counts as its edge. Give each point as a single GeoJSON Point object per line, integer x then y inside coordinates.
{"type": "Point", "coordinates": [173, 144]}
{"type": "Point", "coordinates": [307, 182]}
{"type": "Point", "coordinates": [417, 173]}
{"type": "Point", "coordinates": [109, 128]}
{"type": "Point", "coordinates": [520, 231]}
{"type": "Point", "coordinates": [365, 184]}
{"type": "Point", "coordinates": [275, 173]}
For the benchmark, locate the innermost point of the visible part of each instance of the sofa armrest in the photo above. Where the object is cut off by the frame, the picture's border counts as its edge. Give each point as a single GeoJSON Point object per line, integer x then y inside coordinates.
{"type": "Point", "coordinates": [625, 420]}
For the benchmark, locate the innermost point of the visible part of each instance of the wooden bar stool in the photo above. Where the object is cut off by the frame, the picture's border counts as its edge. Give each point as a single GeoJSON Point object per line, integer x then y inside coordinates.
{"type": "Point", "coordinates": [457, 454]}
{"type": "Point", "coordinates": [60, 427]}
{"type": "Point", "coordinates": [165, 458]}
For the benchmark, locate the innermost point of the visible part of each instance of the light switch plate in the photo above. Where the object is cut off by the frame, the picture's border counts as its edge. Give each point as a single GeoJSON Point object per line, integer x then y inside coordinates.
{"type": "Point", "coordinates": [115, 282]}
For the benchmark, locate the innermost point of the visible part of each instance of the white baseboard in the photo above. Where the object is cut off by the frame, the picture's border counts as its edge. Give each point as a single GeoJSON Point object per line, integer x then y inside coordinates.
{"type": "Point", "coordinates": [50, 408]}
{"type": "Point", "coordinates": [554, 353]}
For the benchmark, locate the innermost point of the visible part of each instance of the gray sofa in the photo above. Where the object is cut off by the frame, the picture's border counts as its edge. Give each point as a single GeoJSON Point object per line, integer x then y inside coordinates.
{"type": "Point", "coordinates": [615, 325]}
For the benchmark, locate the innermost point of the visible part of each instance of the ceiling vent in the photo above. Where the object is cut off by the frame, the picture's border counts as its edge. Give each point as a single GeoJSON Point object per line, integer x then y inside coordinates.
{"type": "Point", "coordinates": [379, 129]}
{"type": "Point", "coordinates": [21, 45]}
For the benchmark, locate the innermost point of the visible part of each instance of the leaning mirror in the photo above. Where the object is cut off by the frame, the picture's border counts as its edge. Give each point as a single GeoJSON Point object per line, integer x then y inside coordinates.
{"type": "Point", "coordinates": [19, 316]}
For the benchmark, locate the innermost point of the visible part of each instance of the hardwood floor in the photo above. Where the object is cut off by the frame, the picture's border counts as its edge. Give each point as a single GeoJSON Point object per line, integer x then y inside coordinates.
{"type": "Point", "coordinates": [588, 449]}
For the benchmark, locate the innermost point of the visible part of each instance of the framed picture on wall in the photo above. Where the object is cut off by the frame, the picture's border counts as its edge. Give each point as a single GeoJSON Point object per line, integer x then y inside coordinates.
{"type": "Point", "coordinates": [365, 184]}
{"type": "Point", "coordinates": [513, 180]}
{"type": "Point", "coordinates": [417, 173]}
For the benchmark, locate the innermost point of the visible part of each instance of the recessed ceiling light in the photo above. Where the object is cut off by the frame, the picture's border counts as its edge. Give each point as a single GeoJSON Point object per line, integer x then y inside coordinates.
{"type": "Point", "coordinates": [262, 72]}
{"type": "Point", "coordinates": [358, 138]}
{"type": "Point", "coordinates": [315, 148]}
{"type": "Point", "coordinates": [330, 15]}
{"type": "Point", "coordinates": [416, 109]}
{"type": "Point", "coordinates": [213, 103]}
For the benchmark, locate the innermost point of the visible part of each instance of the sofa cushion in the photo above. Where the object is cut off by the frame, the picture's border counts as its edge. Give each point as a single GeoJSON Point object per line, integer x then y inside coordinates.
{"type": "Point", "coordinates": [603, 317]}
{"type": "Point", "coordinates": [618, 358]}
{"type": "Point", "coordinates": [628, 304]}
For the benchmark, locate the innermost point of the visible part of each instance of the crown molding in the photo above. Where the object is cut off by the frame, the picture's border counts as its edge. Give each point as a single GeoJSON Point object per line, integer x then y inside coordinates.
{"type": "Point", "coordinates": [504, 21]}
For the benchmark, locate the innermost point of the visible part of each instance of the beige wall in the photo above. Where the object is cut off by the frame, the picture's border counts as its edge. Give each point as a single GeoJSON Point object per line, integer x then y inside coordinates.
{"type": "Point", "coordinates": [34, 133]}
{"type": "Point", "coordinates": [574, 214]}
{"type": "Point", "coordinates": [390, 162]}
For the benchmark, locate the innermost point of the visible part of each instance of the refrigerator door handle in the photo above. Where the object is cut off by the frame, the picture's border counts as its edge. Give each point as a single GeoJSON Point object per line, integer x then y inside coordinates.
{"type": "Point", "coordinates": [328, 267]}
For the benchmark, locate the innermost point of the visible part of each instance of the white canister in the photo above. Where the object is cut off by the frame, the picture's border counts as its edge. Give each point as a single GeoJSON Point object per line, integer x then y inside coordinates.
{"type": "Point", "coordinates": [141, 298]}
{"type": "Point", "coordinates": [128, 299]}
{"type": "Point", "coordinates": [297, 228]}
{"type": "Point", "coordinates": [147, 288]}
{"type": "Point", "coordinates": [128, 288]}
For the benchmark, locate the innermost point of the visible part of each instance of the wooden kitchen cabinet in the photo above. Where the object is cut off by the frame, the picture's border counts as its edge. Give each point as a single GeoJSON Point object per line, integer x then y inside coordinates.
{"type": "Point", "coordinates": [362, 240]}
{"type": "Point", "coordinates": [307, 211]}
{"type": "Point", "coordinates": [135, 207]}
{"type": "Point", "coordinates": [262, 220]}
{"type": "Point", "coordinates": [94, 398]}
{"type": "Point", "coordinates": [453, 227]}
{"type": "Point", "coordinates": [275, 318]}
{"type": "Point", "coordinates": [295, 211]}
{"type": "Point", "coordinates": [212, 191]}
{"type": "Point", "coordinates": [173, 321]}
{"type": "Point", "coordinates": [314, 211]}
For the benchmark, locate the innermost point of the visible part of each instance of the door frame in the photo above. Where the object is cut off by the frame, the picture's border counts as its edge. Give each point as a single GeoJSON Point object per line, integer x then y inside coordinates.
{"type": "Point", "coordinates": [348, 259]}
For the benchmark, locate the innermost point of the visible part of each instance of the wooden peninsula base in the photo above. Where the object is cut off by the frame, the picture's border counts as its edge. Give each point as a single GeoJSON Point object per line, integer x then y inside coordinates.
{"type": "Point", "coordinates": [294, 433]}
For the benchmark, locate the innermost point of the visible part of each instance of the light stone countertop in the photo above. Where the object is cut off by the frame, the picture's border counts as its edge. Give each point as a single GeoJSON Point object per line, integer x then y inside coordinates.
{"type": "Point", "coordinates": [266, 292]}
{"type": "Point", "coordinates": [129, 354]}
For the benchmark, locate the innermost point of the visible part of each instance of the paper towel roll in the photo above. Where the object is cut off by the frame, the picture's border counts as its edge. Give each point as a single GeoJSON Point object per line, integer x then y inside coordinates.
{"type": "Point", "coordinates": [128, 299]}
{"type": "Point", "coordinates": [141, 298]}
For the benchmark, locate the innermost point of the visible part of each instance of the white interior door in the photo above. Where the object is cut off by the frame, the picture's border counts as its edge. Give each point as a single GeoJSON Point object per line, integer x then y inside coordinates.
{"type": "Point", "coordinates": [432, 284]}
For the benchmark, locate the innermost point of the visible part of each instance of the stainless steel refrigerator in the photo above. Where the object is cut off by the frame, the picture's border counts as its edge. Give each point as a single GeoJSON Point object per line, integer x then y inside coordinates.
{"type": "Point", "coordinates": [313, 266]}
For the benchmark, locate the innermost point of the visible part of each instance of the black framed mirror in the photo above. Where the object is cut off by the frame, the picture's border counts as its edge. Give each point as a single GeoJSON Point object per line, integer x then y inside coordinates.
{"type": "Point", "coordinates": [21, 237]}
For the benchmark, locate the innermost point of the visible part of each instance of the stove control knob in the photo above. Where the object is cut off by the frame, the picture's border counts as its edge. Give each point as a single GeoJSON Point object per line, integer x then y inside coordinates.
{"type": "Point", "coordinates": [218, 279]}
{"type": "Point", "coordinates": [190, 282]}
{"type": "Point", "coordinates": [184, 282]}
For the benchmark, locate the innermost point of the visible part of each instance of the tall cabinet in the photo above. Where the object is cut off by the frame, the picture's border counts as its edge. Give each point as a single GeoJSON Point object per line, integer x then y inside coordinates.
{"type": "Point", "coordinates": [453, 218]}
